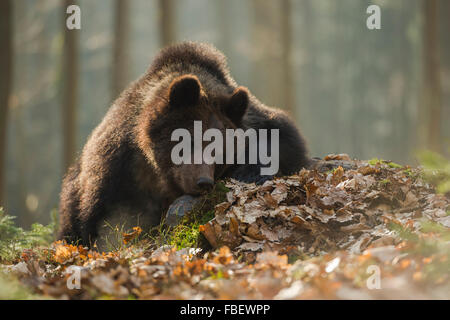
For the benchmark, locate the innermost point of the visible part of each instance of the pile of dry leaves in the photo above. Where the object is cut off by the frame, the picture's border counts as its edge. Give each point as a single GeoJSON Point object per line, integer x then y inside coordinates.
{"type": "Point", "coordinates": [316, 212]}
{"type": "Point", "coordinates": [352, 230]}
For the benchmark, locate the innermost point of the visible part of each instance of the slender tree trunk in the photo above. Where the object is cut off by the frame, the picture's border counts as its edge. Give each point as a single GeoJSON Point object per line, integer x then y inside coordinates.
{"type": "Point", "coordinates": [223, 7]}
{"type": "Point", "coordinates": [266, 50]}
{"type": "Point", "coordinates": [24, 216]}
{"type": "Point", "coordinates": [120, 49]}
{"type": "Point", "coordinates": [16, 119]}
{"type": "Point", "coordinates": [432, 84]}
{"type": "Point", "coordinates": [166, 22]}
{"type": "Point", "coordinates": [70, 91]}
{"type": "Point", "coordinates": [6, 40]}
{"type": "Point", "coordinates": [286, 59]}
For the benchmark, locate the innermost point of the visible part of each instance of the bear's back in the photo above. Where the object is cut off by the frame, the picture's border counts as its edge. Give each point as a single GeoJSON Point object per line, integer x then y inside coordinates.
{"type": "Point", "coordinates": [202, 55]}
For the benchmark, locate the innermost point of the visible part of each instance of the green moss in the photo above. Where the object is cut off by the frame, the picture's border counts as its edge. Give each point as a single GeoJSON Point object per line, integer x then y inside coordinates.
{"type": "Point", "coordinates": [431, 226]}
{"type": "Point", "coordinates": [185, 236]}
{"type": "Point", "coordinates": [332, 171]}
{"type": "Point", "coordinates": [186, 233]}
{"type": "Point", "coordinates": [428, 246]}
{"type": "Point", "coordinates": [408, 172]}
{"type": "Point", "coordinates": [375, 161]}
{"type": "Point", "coordinates": [216, 275]}
{"type": "Point", "coordinates": [403, 232]}
{"type": "Point", "coordinates": [394, 165]}
{"type": "Point", "coordinates": [436, 170]}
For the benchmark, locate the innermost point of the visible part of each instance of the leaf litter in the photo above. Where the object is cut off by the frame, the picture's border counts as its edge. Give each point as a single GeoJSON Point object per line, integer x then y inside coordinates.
{"type": "Point", "coordinates": [317, 234]}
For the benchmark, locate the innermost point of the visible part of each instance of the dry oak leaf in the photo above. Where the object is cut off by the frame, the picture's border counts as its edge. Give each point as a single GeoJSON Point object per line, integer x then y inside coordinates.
{"type": "Point", "coordinates": [66, 252]}
{"type": "Point", "coordinates": [127, 237]}
{"type": "Point", "coordinates": [341, 156]}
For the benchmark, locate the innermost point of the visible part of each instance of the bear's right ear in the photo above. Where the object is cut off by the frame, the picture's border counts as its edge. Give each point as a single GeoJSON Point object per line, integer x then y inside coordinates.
{"type": "Point", "coordinates": [184, 91]}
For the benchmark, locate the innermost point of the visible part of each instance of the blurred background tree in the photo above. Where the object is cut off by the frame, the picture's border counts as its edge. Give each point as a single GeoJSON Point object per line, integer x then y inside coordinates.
{"type": "Point", "coordinates": [431, 104]}
{"type": "Point", "coordinates": [369, 93]}
{"type": "Point", "coordinates": [121, 47]}
{"type": "Point", "coordinates": [6, 63]}
{"type": "Point", "coordinates": [69, 74]}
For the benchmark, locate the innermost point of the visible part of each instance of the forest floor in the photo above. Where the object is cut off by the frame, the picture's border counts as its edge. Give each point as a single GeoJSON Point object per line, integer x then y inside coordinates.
{"type": "Point", "coordinates": [345, 229]}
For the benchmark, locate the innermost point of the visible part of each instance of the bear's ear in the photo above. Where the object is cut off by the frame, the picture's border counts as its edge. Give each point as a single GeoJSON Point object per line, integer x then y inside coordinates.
{"type": "Point", "coordinates": [184, 91]}
{"type": "Point", "coordinates": [237, 105]}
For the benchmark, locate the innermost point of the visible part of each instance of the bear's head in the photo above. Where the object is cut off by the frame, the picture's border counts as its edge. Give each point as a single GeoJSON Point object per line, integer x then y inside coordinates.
{"type": "Point", "coordinates": [177, 115]}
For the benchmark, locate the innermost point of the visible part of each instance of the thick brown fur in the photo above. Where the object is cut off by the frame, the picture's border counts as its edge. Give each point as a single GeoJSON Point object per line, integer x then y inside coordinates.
{"type": "Point", "coordinates": [125, 165]}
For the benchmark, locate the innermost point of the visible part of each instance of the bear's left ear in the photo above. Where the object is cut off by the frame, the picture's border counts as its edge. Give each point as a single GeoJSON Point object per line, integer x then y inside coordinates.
{"type": "Point", "coordinates": [184, 91]}
{"type": "Point", "coordinates": [237, 105]}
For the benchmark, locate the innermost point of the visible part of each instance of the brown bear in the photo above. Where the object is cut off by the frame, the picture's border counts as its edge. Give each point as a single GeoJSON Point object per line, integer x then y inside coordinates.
{"type": "Point", "coordinates": [125, 172]}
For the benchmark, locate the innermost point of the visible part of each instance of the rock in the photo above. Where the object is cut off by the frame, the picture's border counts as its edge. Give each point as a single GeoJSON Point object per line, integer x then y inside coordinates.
{"type": "Point", "coordinates": [179, 208]}
{"type": "Point", "coordinates": [19, 268]}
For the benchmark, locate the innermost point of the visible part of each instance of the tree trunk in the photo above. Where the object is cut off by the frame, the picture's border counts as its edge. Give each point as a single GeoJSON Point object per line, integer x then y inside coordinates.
{"type": "Point", "coordinates": [6, 40]}
{"type": "Point", "coordinates": [70, 91]}
{"type": "Point", "coordinates": [223, 7]}
{"type": "Point", "coordinates": [166, 22]}
{"type": "Point", "coordinates": [266, 74]}
{"type": "Point", "coordinates": [120, 52]}
{"type": "Point", "coordinates": [431, 82]}
{"type": "Point", "coordinates": [286, 58]}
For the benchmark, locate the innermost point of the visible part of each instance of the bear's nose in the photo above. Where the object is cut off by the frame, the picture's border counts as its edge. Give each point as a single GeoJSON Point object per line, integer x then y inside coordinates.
{"type": "Point", "coordinates": [205, 183]}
